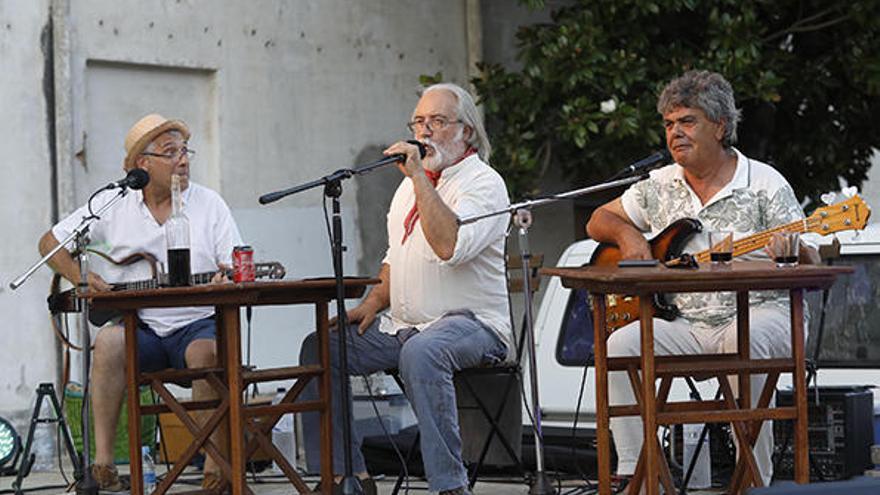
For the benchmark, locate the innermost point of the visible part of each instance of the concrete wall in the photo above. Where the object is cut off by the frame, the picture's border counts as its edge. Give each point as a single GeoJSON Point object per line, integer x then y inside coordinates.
{"type": "Point", "coordinates": [28, 354]}
{"type": "Point", "coordinates": [277, 93]}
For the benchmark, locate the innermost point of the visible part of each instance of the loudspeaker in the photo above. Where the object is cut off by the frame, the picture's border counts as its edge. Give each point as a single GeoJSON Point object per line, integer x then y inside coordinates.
{"type": "Point", "coordinates": [841, 431]}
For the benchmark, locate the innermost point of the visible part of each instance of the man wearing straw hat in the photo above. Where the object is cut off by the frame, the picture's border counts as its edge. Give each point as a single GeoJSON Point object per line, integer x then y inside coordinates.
{"type": "Point", "coordinates": [168, 337]}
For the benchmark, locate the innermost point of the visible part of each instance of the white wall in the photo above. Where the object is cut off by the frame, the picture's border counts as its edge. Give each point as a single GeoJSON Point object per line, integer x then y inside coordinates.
{"type": "Point", "coordinates": [278, 93]}
{"type": "Point", "coordinates": [28, 354]}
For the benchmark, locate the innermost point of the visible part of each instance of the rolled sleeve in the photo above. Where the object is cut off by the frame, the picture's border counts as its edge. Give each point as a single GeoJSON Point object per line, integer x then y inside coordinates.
{"type": "Point", "coordinates": [486, 196]}
{"type": "Point", "coordinates": [633, 202]}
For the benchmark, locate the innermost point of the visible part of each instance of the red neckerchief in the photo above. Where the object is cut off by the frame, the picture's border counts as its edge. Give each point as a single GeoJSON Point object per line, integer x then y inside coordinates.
{"type": "Point", "coordinates": [409, 224]}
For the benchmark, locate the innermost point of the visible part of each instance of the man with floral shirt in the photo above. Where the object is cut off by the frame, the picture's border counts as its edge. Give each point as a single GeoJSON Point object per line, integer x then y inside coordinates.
{"type": "Point", "coordinates": [725, 190]}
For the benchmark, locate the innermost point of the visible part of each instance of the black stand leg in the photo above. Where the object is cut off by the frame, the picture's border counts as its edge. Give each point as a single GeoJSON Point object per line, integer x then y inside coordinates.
{"type": "Point", "coordinates": [350, 484]}
{"type": "Point", "coordinates": [45, 390]}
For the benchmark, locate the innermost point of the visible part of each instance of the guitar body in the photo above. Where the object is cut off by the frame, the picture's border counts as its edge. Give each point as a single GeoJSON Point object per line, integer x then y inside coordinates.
{"type": "Point", "coordinates": [667, 245]}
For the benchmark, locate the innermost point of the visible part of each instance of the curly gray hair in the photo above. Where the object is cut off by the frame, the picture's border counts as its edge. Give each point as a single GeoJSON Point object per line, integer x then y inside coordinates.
{"type": "Point", "coordinates": [709, 92]}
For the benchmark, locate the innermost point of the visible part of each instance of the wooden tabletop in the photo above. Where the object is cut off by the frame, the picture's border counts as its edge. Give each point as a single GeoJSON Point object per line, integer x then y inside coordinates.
{"type": "Point", "coordinates": [738, 275]}
{"type": "Point", "coordinates": [244, 294]}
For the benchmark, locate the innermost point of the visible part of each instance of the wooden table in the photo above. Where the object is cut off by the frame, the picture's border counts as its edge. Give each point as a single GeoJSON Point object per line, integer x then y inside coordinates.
{"type": "Point", "coordinates": [644, 370]}
{"type": "Point", "coordinates": [229, 379]}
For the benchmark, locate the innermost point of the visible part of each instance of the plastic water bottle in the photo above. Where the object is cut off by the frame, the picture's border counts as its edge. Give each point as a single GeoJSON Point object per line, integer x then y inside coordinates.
{"type": "Point", "coordinates": [702, 475]}
{"type": "Point", "coordinates": [282, 434]}
{"type": "Point", "coordinates": [148, 468]}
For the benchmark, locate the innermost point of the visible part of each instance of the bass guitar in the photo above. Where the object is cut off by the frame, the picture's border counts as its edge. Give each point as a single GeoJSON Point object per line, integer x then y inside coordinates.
{"type": "Point", "coordinates": [67, 301]}
{"type": "Point", "coordinates": [667, 247]}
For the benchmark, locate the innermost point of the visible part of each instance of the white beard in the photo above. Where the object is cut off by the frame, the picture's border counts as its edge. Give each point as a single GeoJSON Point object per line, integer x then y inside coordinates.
{"type": "Point", "coordinates": [443, 155]}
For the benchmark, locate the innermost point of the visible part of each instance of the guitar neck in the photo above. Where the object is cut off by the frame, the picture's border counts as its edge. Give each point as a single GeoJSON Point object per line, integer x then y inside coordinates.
{"type": "Point", "coordinates": [761, 239]}
{"type": "Point", "coordinates": [195, 279]}
{"type": "Point", "coordinates": [272, 269]}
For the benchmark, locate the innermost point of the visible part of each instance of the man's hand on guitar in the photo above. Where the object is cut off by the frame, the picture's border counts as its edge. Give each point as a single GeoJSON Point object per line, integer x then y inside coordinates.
{"type": "Point", "coordinates": [97, 284]}
{"type": "Point", "coordinates": [634, 247]}
{"type": "Point", "coordinates": [220, 277]}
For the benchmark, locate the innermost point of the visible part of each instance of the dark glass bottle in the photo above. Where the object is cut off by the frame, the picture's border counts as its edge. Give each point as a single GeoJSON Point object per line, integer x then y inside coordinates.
{"type": "Point", "coordinates": [177, 239]}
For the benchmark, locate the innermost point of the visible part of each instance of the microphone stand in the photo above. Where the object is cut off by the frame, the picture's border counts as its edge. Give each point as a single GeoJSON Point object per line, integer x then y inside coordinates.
{"type": "Point", "coordinates": [522, 218]}
{"type": "Point", "coordinates": [79, 237]}
{"type": "Point", "coordinates": [333, 189]}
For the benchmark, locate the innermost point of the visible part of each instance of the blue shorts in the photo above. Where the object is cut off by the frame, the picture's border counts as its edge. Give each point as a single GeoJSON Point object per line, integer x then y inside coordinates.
{"type": "Point", "coordinates": [158, 353]}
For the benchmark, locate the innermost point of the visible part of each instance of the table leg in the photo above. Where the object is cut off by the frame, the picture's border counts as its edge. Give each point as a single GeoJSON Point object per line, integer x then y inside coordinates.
{"type": "Point", "coordinates": [134, 403]}
{"type": "Point", "coordinates": [600, 363]}
{"type": "Point", "coordinates": [801, 439]}
{"type": "Point", "coordinates": [743, 346]}
{"type": "Point", "coordinates": [649, 398]}
{"type": "Point", "coordinates": [232, 338]}
{"type": "Point", "coordinates": [323, 326]}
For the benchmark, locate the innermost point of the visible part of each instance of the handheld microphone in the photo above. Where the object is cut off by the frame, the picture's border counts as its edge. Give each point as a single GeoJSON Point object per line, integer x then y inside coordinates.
{"type": "Point", "coordinates": [397, 157]}
{"type": "Point", "coordinates": [400, 157]}
{"type": "Point", "coordinates": [648, 162]}
{"type": "Point", "coordinates": [137, 178]}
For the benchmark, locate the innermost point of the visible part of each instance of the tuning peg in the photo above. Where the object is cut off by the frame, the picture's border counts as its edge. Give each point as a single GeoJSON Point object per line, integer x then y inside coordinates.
{"type": "Point", "coordinates": [828, 198]}
{"type": "Point", "coordinates": [850, 191]}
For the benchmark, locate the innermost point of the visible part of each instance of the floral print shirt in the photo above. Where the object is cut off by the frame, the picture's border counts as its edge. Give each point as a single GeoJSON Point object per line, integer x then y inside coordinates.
{"type": "Point", "coordinates": [757, 198]}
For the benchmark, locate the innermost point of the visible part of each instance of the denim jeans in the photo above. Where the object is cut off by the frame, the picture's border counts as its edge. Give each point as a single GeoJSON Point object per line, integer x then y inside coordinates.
{"type": "Point", "coordinates": [426, 361]}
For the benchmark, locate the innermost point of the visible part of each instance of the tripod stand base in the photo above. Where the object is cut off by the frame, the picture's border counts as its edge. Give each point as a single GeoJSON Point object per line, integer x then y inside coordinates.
{"type": "Point", "coordinates": [46, 391]}
{"type": "Point", "coordinates": [542, 485]}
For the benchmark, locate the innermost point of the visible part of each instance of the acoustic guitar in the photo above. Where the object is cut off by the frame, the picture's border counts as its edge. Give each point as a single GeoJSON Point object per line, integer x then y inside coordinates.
{"type": "Point", "coordinates": [67, 302]}
{"type": "Point", "coordinates": [667, 247]}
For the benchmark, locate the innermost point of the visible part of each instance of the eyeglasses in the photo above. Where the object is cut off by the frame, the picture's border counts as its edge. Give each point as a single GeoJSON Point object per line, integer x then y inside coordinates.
{"type": "Point", "coordinates": [173, 155]}
{"type": "Point", "coordinates": [433, 124]}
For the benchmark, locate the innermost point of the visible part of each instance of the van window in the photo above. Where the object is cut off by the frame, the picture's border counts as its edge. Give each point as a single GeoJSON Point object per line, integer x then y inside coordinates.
{"type": "Point", "coordinates": [575, 344]}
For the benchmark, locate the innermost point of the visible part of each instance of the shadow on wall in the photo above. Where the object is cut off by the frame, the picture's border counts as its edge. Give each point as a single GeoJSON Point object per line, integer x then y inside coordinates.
{"type": "Point", "coordinates": [374, 193]}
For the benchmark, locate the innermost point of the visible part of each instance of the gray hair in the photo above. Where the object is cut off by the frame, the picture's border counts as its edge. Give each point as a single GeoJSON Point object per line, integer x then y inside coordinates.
{"type": "Point", "coordinates": [470, 116]}
{"type": "Point", "coordinates": [707, 91]}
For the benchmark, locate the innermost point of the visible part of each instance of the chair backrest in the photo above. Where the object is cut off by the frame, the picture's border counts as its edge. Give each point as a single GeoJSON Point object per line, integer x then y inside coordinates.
{"type": "Point", "coordinates": [516, 286]}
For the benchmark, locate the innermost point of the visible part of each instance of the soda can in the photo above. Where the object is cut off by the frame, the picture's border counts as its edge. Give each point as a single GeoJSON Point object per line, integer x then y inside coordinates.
{"type": "Point", "coordinates": [243, 269]}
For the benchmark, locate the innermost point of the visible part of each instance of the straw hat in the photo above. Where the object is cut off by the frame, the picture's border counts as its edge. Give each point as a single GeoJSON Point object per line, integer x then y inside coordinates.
{"type": "Point", "coordinates": [145, 131]}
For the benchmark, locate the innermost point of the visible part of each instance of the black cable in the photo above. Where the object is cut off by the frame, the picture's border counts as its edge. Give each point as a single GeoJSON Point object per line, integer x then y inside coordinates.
{"type": "Point", "coordinates": [577, 411]}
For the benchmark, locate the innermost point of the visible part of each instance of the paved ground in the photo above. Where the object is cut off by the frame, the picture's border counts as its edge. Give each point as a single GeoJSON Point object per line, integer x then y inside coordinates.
{"type": "Point", "coordinates": [51, 483]}
{"type": "Point", "coordinates": [266, 483]}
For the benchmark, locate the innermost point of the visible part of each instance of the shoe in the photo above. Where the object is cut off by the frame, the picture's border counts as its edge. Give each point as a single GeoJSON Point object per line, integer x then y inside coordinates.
{"type": "Point", "coordinates": [368, 485]}
{"type": "Point", "coordinates": [462, 490]}
{"type": "Point", "coordinates": [214, 482]}
{"type": "Point", "coordinates": [108, 480]}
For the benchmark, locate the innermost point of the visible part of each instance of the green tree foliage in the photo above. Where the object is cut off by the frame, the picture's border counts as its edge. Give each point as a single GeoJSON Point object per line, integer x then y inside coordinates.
{"type": "Point", "coordinates": [806, 74]}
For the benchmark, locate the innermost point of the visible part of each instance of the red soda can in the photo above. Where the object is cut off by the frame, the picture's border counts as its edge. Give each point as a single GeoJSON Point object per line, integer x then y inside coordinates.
{"type": "Point", "coordinates": [243, 269]}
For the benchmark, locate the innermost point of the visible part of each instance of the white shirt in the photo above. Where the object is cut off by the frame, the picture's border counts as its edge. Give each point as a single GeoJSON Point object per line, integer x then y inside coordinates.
{"type": "Point", "coordinates": [128, 227]}
{"type": "Point", "coordinates": [424, 287]}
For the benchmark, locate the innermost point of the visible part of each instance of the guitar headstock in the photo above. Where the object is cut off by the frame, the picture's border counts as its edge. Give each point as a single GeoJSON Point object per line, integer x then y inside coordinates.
{"type": "Point", "coordinates": [270, 269]}
{"type": "Point", "coordinates": [849, 214]}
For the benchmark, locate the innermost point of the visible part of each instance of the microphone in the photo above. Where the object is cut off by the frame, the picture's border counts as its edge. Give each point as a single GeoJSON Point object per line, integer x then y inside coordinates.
{"type": "Point", "coordinates": [648, 162]}
{"type": "Point", "coordinates": [397, 157]}
{"type": "Point", "coordinates": [137, 178]}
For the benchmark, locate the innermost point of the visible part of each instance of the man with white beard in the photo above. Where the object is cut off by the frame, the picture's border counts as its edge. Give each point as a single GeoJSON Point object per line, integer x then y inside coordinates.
{"type": "Point", "coordinates": [442, 303]}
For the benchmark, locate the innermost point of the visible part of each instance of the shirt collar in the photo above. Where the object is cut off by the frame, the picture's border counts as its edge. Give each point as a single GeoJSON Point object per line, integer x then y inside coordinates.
{"type": "Point", "coordinates": [740, 179]}
{"type": "Point", "coordinates": [465, 162]}
{"type": "Point", "coordinates": [184, 195]}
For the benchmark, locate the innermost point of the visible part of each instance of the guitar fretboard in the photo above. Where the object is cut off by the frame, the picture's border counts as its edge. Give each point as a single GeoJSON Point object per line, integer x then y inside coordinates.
{"type": "Point", "coordinates": [761, 239]}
